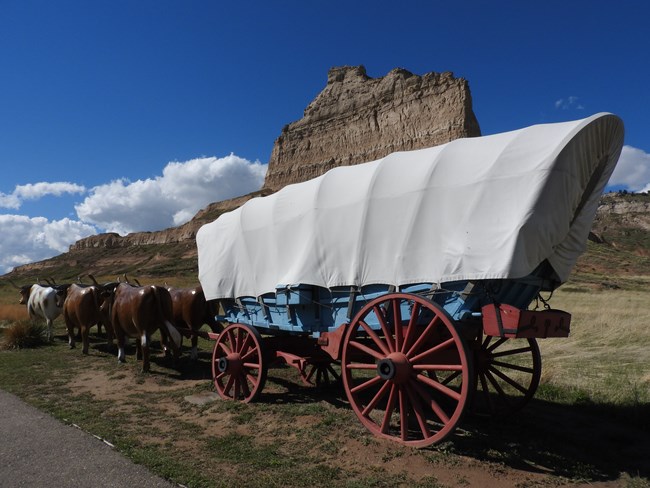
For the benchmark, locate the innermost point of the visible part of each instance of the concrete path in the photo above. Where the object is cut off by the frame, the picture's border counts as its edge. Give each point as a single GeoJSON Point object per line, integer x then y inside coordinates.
{"type": "Point", "coordinates": [38, 451]}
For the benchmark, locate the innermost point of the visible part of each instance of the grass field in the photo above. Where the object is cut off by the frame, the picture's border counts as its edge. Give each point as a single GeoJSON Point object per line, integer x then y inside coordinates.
{"type": "Point", "coordinates": [588, 424]}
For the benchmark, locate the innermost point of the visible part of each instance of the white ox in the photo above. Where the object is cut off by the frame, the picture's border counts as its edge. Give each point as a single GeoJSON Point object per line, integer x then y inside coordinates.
{"type": "Point", "coordinates": [41, 303]}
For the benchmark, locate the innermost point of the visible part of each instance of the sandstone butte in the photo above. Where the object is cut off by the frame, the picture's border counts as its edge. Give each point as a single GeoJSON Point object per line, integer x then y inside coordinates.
{"type": "Point", "coordinates": [356, 119]}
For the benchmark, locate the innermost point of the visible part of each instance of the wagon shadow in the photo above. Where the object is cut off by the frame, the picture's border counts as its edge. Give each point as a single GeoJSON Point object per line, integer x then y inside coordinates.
{"type": "Point", "coordinates": [298, 393]}
{"type": "Point", "coordinates": [585, 442]}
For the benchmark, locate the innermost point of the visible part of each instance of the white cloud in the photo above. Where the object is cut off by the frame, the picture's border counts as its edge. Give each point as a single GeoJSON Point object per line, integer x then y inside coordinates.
{"type": "Point", "coordinates": [171, 199]}
{"type": "Point", "coordinates": [28, 239]}
{"type": "Point", "coordinates": [568, 103]}
{"type": "Point", "coordinates": [34, 191]}
{"type": "Point", "coordinates": [632, 170]}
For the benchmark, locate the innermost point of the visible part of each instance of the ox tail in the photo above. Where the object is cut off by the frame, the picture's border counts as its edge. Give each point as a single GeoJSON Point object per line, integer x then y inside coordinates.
{"type": "Point", "coordinates": [174, 335]}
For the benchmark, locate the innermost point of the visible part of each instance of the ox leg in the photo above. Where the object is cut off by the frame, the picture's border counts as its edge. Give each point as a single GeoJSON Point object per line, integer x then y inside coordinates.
{"type": "Point", "coordinates": [194, 355]}
{"type": "Point", "coordinates": [144, 343]}
{"type": "Point", "coordinates": [121, 355]}
{"type": "Point", "coordinates": [84, 339]}
{"type": "Point", "coordinates": [49, 330]}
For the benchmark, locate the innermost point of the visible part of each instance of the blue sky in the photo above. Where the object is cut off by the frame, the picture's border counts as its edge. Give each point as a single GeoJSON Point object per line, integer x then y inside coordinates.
{"type": "Point", "coordinates": [132, 115]}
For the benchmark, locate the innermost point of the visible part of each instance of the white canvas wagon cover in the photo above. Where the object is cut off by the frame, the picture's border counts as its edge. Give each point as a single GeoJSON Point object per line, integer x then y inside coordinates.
{"type": "Point", "coordinates": [479, 208]}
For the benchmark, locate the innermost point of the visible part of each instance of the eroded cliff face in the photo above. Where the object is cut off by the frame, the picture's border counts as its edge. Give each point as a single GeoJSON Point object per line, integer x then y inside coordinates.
{"type": "Point", "coordinates": [356, 119]}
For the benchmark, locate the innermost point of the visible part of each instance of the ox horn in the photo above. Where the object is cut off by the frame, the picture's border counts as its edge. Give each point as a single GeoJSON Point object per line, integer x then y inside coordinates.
{"type": "Point", "coordinates": [93, 278]}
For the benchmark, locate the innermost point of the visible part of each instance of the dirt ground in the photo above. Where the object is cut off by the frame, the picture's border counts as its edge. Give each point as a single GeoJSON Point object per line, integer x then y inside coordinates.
{"type": "Point", "coordinates": [551, 446]}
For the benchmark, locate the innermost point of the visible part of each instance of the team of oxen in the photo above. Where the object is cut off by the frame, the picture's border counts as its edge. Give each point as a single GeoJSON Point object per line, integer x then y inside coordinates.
{"type": "Point", "coordinates": [124, 309]}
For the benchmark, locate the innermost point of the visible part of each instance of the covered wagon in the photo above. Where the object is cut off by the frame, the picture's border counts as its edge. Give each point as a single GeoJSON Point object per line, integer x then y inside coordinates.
{"type": "Point", "coordinates": [416, 273]}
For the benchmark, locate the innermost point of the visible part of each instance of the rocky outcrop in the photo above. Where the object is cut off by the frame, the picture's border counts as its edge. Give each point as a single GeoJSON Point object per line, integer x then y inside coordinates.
{"type": "Point", "coordinates": [357, 118]}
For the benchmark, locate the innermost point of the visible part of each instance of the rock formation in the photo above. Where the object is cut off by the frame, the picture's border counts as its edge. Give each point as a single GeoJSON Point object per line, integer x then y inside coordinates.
{"type": "Point", "coordinates": [356, 119]}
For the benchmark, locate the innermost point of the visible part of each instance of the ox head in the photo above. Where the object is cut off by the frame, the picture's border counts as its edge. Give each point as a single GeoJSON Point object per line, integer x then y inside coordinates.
{"type": "Point", "coordinates": [61, 294]}
{"type": "Point", "coordinates": [106, 296]}
{"type": "Point", "coordinates": [24, 291]}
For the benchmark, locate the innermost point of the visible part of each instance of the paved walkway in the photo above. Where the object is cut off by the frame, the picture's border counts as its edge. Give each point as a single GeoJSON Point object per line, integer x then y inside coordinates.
{"type": "Point", "coordinates": [38, 451]}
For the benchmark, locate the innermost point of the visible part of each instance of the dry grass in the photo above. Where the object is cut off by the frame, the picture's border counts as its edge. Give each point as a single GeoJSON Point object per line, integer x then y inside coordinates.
{"type": "Point", "coordinates": [607, 355]}
{"type": "Point", "coordinates": [12, 312]}
{"type": "Point", "coordinates": [22, 334]}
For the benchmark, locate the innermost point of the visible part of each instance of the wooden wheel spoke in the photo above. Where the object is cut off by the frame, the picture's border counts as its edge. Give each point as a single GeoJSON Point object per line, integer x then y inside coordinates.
{"type": "Point", "coordinates": [397, 323]}
{"type": "Point", "coordinates": [311, 373]}
{"type": "Point", "coordinates": [390, 407]}
{"type": "Point", "coordinates": [367, 350]}
{"type": "Point", "coordinates": [226, 349]}
{"type": "Point", "coordinates": [497, 387]}
{"type": "Point", "coordinates": [334, 374]}
{"type": "Point", "coordinates": [496, 344]}
{"type": "Point", "coordinates": [366, 384]}
{"type": "Point", "coordinates": [435, 349]}
{"type": "Point", "coordinates": [439, 386]}
{"type": "Point", "coordinates": [375, 400]}
{"type": "Point", "coordinates": [246, 345]}
{"type": "Point", "coordinates": [250, 354]}
{"type": "Point", "coordinates": [251, 365]}
{"type": "Point", "coordinates": [410, 330]}
{"type": "Point", "coordinates": [437, 409]}
{"type": "Point", "coordinates": [508, 380]}
{"type": "Point", "coordinates": [515, 367]}
{"type": "Point", "coordinates": [423, 337]}
{"type": "Point", "coordinates": [361, 366]}
{"type": "Point", "coordinates": [438, 367]}
{"type": "Point", "coordinates": [229, 384]}
{"type": "Point", "coordinates": [419, 413]}
{"type": "Point", "coordinates": [376, 339]}
{"type": "Point", "coordinates": [486, 341]}
{"type": "Point", "coordinates": [238, 382]}
{"type": "Point", "coordinates": [384, 328]}
{"type": "Point", "coordinates": [511, 352]}
{"type": "Point", "coordinates": [244, 384]}
{"type": "Point", "coordinates": [403, 414]}
{"type": "Point", "coordinates": [451, 377]}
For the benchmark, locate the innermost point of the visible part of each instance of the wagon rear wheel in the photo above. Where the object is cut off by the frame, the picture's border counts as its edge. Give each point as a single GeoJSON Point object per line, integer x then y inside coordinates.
{"type": "Point", "coordinates": [320, 374]}
{"type": "Point", "coordinates": [508, 372]}
{"type": "Point", "coordinates": [406, 370]}
{"type": "Point", "coordinates": [238, 365]}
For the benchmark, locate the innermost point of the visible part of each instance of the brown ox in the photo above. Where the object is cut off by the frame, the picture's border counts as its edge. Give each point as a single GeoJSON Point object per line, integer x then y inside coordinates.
{"type": "Point", "coordinates": [81, 309]}
{"type": "Point", "coordinates": [138, 311]}
{"type": "Point", "coordinates": [191, 311]}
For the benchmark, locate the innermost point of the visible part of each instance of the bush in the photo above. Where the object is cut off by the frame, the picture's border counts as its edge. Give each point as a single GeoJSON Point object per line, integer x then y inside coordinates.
{"type": "Point", "coordinates": [22, 334]}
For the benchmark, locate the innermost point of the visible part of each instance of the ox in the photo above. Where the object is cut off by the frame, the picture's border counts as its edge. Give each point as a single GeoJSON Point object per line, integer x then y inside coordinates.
{"type": "Point", "coordinates": [81, 309]}
{"type": "Point", "coordinates": [41, 303]}
{"type": "Point", "coordinates": [138, 311]}
{"type": "Point", "coordinates": [191, 311]}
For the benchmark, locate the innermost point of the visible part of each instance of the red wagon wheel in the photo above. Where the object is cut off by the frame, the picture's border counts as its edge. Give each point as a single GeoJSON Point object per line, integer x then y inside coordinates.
{"type": "Point", "coordinates": [508, 372]}
{"type": "Point", "coordinates": [238, 365]}
{"type": "Point", "coordinates": [408, 378]}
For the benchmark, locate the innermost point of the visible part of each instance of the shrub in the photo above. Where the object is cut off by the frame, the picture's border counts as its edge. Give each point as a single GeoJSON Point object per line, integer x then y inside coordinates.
{"type": "Point", "coordinates": [22, 334]}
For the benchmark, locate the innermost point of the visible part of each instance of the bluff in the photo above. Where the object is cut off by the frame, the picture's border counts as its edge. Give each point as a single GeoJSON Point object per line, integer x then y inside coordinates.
{"type": "Point", "coordinates": [356, 119]}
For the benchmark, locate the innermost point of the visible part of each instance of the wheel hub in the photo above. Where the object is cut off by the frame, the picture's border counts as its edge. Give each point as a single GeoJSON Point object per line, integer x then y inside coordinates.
{"type": "Point", "coordinates": [395, 367]}
{"type": "Point", "coordinates": [230, 364]}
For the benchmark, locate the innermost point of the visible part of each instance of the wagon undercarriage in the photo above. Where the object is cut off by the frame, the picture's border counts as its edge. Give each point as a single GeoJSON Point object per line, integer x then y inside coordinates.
{"type": "Point", "coordinates": [408, 369]}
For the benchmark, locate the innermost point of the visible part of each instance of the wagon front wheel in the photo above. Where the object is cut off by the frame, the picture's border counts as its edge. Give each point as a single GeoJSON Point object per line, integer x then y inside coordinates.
{"type": "Point", "coordinates": [406, 370]}
{"type": "Point", "coordinates": [238, 365]}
